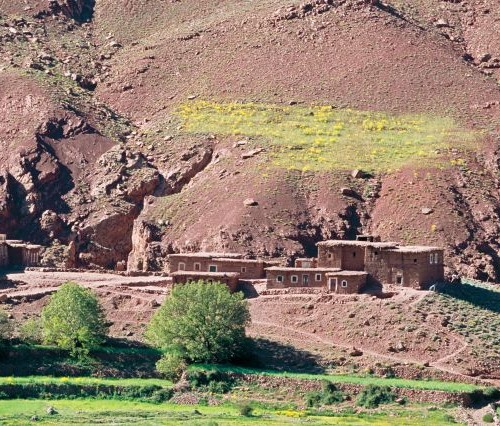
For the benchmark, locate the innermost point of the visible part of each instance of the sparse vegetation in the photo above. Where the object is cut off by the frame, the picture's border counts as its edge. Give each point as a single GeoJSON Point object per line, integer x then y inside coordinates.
{"type": "Point", "coordinates": [327, 396]}
{"type": "Point", "coordinates": [327, 138]}
{"type": "Point", "coordinates": [74, 320]}
{"type": "Point", "coordinates": [372, 396]}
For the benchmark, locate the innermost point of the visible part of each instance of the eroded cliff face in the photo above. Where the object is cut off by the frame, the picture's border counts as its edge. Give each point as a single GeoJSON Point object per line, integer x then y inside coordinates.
{"type": "Point", "coordinates": [79, 10]}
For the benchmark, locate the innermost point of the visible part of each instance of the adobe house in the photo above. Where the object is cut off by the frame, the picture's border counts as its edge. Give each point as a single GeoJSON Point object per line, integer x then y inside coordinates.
{"type": "Point", "coordinates": [386, 263]}
{"type": "Point", "coordinates": [306, 262]}
{"type": "Point", "coordinates": [15, 253]}
{"type": "Point", "coordinates": [247, 269]}
{"type": "Point", "coordinates": [197, 261]}
{"type": "Point", "coordinates": [228, 278]}
{"type": "Point", "coordinates": [283, 277]}
{"type": "Point", "coordinates": [346, 282]}
{"type": "Point", "coordinates": [4, 252]}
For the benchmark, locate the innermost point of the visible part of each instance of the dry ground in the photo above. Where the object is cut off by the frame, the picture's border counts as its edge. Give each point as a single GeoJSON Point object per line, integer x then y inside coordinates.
{"type": "Point", "coordinates": [340, 333]}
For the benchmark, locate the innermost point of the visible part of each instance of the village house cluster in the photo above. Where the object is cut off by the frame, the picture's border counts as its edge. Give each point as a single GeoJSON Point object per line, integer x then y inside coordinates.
{"type": "Point", "coordinates": [343, 267]}
{"type": "Point", "coordinates": [16, 253]}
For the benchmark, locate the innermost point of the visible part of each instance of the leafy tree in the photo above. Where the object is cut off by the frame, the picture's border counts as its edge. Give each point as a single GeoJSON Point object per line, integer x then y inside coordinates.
{"type": "Point", "coordinates": [204, 321]}
{"type": "Point", "coordinates": [31, 331]}
{"type": "Point", "coordinates": [74, 320]}
{"type": "Point", "coordinates": [5, 326]}
{"type": "Point", "coordinates": [171, 365]}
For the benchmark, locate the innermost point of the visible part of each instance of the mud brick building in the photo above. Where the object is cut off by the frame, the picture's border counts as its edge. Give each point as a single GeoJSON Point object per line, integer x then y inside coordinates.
{"type": "Point", "coordinates": [247, 269]}
{"type": "Point", "coordinates": [385, 263]}
{"type": "Point", "coordinates": [228, 278]}
{"type": "Point", "coordinates": [15, 253]}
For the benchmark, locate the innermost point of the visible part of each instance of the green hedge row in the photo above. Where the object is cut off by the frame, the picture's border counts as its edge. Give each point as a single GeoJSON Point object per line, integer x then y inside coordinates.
{"type": "Point", "coordinates": [149, 393]}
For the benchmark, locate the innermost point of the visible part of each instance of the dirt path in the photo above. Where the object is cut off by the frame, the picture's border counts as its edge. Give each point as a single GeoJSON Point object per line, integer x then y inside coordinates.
{"type": "Point", "coordinates": [375, 354]}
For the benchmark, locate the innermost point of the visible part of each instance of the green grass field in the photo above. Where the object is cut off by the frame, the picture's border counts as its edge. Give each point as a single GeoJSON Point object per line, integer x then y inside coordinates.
{"type": "Point", "coordinates": [92, 412]}
{"type": "Point", "coordinates": [360, 380]}
{"type": "Point", "coordinates": [322, 138]}
{"type": "Point", "coordinates": [84, 381]}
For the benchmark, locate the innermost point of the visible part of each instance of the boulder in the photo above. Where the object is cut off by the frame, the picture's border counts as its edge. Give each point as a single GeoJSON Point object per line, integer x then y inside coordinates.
{"type": "Point", "coordinates": [427, 210]}
{"type": "Point", "coordinates": [249, 202]}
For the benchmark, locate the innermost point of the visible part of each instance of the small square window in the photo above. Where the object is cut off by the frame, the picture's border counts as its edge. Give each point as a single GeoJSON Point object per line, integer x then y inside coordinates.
{"type": "Point", "coordinates": [197, 266]}
{"type": "Point", "coordinates": [318, 277]}
{"type": "Point", "coordinates": [414, 260]}
{"type": "Point", "coordinates": [212, 268]}
{"type": "Point", "coordinates": [279, 278]}
{"type": "Point", "coordinates": [243, 269]}
{"type": "Point", "coordinates": [330, 256]}
{"type": "Point", "coordinates": [353, 254]}
{"type": "Point", "coordinates": [182, 266]}
{"type": "Point", "coordinates": [399, 279]}
{"type": "Point", "coordinates": [294, 279]}
{"type": "Point", "coordinates": [344, 283]}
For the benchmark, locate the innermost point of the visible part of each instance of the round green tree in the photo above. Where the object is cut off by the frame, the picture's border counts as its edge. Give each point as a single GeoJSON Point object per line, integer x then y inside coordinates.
{"type": "Point", "coordinates": [74, 320]}
{"type": "Point", "coordinates": [203, 321]}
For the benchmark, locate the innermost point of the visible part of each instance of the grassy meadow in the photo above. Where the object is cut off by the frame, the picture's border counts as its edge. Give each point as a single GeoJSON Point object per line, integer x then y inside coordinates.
{"type": "Point", "coordinates": [91, 412]}
{"type": "Point", "coordinates": [322, 138]}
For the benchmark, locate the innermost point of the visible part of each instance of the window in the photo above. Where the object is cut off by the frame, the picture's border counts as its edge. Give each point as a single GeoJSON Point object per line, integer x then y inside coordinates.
{"type": "Point", "coordinates": [414, 260]}
{"type": "Point", "coordinates": [431, 258]}
{"type": "Point", "coordinates": [344, 283]}
{"type": "Point", "coordinates": [197, 266]}
{"type": "Point", "coordinates": [243, 269]}
{"type": "Point", "coordinates": [399, 279]}
{"type": "Point", "coordinates": [436, 258]}
{"type": "Point", "coordinates": [294, 279]}
{"type": "Point", "coordinates": [279, 278]}
{"type": "Point", "coordinates": [376, 253]}
{"type": "Point", "coordinates": [353, 254]}
{"type": "Point", "coordinates": [317, 277]}
{"type": "Point", "coordinates": [305, 280]}
{"type": "Point", "coordinates": [212, 268]}
{"type": "Point", "coordinates": [330, 256]}
{"type": "Point", "coordinates": [182, 266]}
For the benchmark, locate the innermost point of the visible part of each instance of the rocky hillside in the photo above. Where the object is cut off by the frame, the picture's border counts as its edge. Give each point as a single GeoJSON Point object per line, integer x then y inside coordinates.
{"type": "Point", "coordinates": [238, 125]}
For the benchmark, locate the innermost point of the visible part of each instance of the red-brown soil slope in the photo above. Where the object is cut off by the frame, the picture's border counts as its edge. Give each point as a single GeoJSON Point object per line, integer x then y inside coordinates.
{"type": "Point", "coordinates": [123, 64]}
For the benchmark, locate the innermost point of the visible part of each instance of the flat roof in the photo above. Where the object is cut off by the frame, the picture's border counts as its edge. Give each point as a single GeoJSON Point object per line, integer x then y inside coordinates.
{"type": "Point", "coordinates": [416, 249]}
{"type": "Point", "coordinates": [207, 255]}
{"type": "Point", "coordinates": [291, 269]}
{"type": "Point", "coordinates": [348, 273]}
{"type": "Point", "coordinates": [205, 274]}
{"type": "Point", "coordinates": [353, 243]}
{"type": "Point", "coordinates": [233, 260]}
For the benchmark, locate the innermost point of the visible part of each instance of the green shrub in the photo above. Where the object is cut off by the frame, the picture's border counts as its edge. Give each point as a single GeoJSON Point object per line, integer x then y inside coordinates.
{"type": "Point", "coordinates": [171, 365]}
{"type": "Point", "coordinates": [5, 326]}
{"type": "Point", "coordinates": [211, 381]}
{"type": "Point", "coordinates": [372, 396]}
{"type": "Point", "coordinates": [245, 410]}
{"type": "Point", "coordinates": [74, 320]}
{"type": "Point", "coordinates": [31, 331]}
{"type": "Point", "coordinates": [488, 418]}
{"type": "Point", "coordinates": [329, 395]}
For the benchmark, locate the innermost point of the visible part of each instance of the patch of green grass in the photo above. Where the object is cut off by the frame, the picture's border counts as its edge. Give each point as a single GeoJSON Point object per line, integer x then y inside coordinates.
{"type": "Point", "coordinates": [11, 380]}
{"type": "Point", "coordinates": [91, 412]}
{"type": "Point", "coordinates": [323, 138]}
{"type": "Point", "coordinates": [360, 380]}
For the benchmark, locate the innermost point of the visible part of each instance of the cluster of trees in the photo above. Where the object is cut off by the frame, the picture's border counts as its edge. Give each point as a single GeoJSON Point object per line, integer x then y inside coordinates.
{"type": "Point", "coordinates": [198, 322]}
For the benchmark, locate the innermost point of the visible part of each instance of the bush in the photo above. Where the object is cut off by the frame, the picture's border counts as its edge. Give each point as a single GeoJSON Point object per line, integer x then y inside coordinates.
{"type": "Point", "coordinates": [202, 320]}
{"type": "Point", "coordinates": [488, 418]}
{"type": "Point", "coordinates": [74, 320]}
{"type": "Point", "coordinates": [5, 326]}
{"type": "Point", "coordinates": [171, 365]}
{"type": "Point", "coordinates": [211, 381]}
{"type": "Point", "coordinates": [31, 331]}
{"type": "Point", "coordinates": [329, 395]}
{"type": "Point", "coordinates": [372, 396]}
{"type": "Point", "coordinates": [245, 410]}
